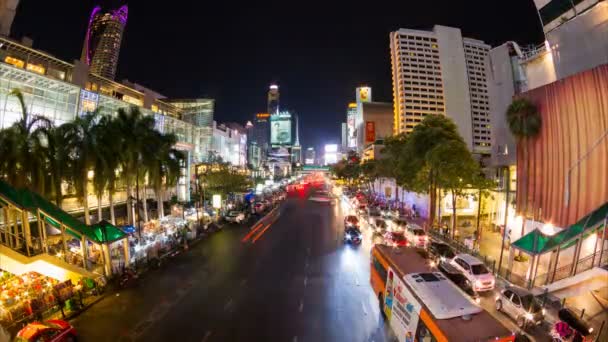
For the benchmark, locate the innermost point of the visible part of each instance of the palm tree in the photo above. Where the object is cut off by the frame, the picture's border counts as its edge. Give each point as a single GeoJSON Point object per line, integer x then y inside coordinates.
{"type": "Point", "coordinates": [23, 149]}
{"type": "Point", "coordinates": [111, 159]}
{"type": "Point", "coordinates": [134, 130]}
{"type": "Point", "coordinates": [524, 122]}
{"type": "Point", "coordinates": [163, 166]}
{"type": "Point", "coordinates": [58, 160]}
{"type": "Point", "coordinates": [84, 150]}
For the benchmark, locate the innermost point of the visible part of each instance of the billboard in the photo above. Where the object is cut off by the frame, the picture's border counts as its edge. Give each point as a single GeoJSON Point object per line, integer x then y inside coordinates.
{"type": "Point", "coordinates": [331, 154]}
{"type": "Point", "coordinates": [364, 94]}
{"type": "Point", "coordinates": [370, 131]}
{"type": "Point", "coordinates": [401, 308]}
{"type": "Point", "coordinates": [280, 130]}
{"type": "Point", "coordinates": [350, 126]}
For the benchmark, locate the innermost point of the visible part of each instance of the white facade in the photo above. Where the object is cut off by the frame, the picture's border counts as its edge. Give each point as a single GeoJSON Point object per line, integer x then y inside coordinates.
{"type": "Point", "coordinates": [439, 72]}
{"type": "Point", "coordinates": [230, 145]}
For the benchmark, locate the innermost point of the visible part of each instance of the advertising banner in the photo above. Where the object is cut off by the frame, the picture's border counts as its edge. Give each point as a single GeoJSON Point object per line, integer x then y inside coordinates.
{"type": "Point", "coordinates": [405, 311]}
{"type": "Point", "coordinates": [370, 131]}
{"type": "Point", "coordinates": [280, 130]}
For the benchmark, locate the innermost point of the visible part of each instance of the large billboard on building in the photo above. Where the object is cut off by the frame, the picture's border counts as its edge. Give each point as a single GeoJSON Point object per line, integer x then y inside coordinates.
{"type": "Point", "coordinates": [280, 129]}
{"type": "Point", "coordinates": [370, 131]}
{"type": "Point", "coordinates": [331, 154]}
{"type": "Point", "coordinates": [350, 125]}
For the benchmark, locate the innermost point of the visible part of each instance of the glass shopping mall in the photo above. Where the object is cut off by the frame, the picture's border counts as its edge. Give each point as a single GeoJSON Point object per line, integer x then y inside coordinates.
{"type": "Point", "coordinates": [60, 91]}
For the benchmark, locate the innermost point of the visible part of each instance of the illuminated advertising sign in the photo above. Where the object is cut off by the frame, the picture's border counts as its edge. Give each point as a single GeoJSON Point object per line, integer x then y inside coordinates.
{"type": "Point", "coordinates": [370, 131]}
{"type": "Point", "coordinates": [350, 126]}
{"type": "Point", "coordinates": [88, 102]}
{"type": "Point", "coordinates": [364, 94]}
{"type": "Point", "coordinates": [216, 201]}
{"type": "Point", "coordinates": [331, 154]}
{"type": "Point", "coordinates": [401, 307]}
{"type": "Point", "coordinates": [280, 130]}
{"type": "Point", "coordinates": [262, 115]}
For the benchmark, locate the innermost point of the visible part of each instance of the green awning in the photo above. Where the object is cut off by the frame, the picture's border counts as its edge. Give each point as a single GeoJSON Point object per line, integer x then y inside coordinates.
{"type": "Point", "coordinates": [107, 232]}
{"type": "Point", "coordinates": [102, 232]}
{"type": "Point", "coordinates": [536, 242]}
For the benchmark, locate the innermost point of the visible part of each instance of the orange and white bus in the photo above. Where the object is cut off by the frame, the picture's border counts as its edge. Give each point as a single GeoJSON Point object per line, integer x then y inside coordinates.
{"type": "Point", "coordinates": [421, 304]}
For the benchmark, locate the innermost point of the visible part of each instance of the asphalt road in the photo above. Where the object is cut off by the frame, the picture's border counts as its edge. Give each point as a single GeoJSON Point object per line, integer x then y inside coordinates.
{"type": "Point", "coordinates": [296, 282]}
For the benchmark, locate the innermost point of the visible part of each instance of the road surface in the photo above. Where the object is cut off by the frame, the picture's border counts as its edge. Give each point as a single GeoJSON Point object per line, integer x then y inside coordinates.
{"type": "Point", "coordinates": [297, 282]}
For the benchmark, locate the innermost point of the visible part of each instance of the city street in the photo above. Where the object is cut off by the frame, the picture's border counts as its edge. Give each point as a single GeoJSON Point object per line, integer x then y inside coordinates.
{"type": "Point", "coordinates": [296, 282]}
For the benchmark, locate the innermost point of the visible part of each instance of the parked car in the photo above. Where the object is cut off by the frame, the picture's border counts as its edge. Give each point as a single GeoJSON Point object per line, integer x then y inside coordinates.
{"type": "Point", "coordinates": [416, 236]}
{"type": "Point", "coordinates": [520, 305]}
{"type": "Point", "coordinates": [477, 273]}
{"type": "Point", "coordinates": [235, 216]}
{"type": "Point", "coordinates": [395, 239]}
{"type": "Point", "coordinates": [440, 252]}
{"type": "Point", "coordinates": [52, 330]}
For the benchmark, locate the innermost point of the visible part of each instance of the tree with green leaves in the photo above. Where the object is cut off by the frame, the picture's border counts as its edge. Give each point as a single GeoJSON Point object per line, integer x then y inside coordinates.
{"type": "Point", "coordinates": [225, 181]}
{"type": "Point", "coordinates": [58, 158]}
{"type": "Point", "coordinates": [453, 168]}
{"type": "Point", "coordinates": [419, 169]}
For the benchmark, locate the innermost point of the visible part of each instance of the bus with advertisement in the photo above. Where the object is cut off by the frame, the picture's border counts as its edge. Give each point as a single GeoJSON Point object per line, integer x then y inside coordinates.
{"type": "Point", "coordinates": [421, 304]}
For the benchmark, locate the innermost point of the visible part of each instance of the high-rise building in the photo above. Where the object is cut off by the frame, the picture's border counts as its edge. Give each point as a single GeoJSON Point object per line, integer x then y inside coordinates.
{"type": "Point", "coordinates": [261, 134]}
{"type": "Point", "coordinates": [344, 137]}
{"type": "Point", "coordinates": [8, 8]}
{"type": "Point", "coordinates": [310, 156]}
{"type": "Point", "coordinates": [440, 72]}
{"type": "Point", "coordinates": [273, 99]}
{"type": "Point", "coordinates": [103, 39]}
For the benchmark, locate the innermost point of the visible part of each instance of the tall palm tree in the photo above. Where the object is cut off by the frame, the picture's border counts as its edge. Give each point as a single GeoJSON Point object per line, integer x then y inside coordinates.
{"type": "Point", "coordinates": [84, 150]}
{"type": "Point", "coordinates": [134, 130]}
{"type": "Point", "coordinates": [111, 158]}
{"type": "Point", "coordinates": [163, 166]}
{"type": "Point", "coordinates": [524, 122]}
{"type": "Point", "coordinates": [58, 160]}
{"type": "Point", "coordinates": [23, 149]}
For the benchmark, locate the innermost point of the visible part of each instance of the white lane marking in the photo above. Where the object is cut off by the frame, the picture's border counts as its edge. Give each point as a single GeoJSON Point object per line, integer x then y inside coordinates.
{"type": "Point", "coordinates": [228, 304]}
{"type": "Point", "coordinates": [305, 281]}
{"type": "Point", "coordinates": [301, 306]}
{"type": "Point", "coordinates": [206, 337]}
{"type": "Point", "coordinates": [364, 310]}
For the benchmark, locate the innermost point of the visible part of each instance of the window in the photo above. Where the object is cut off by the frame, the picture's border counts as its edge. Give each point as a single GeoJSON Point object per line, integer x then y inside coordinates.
{"type": "Point", "coordinates": [516, 300]}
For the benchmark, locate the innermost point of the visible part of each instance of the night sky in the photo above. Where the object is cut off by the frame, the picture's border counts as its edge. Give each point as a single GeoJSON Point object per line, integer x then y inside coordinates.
{"type": "Point", "coordinates": [318, 52]}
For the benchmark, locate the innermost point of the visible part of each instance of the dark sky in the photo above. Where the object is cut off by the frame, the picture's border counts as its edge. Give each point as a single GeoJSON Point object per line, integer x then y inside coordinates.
{"type": "Point", "coordinates": [231, 51]}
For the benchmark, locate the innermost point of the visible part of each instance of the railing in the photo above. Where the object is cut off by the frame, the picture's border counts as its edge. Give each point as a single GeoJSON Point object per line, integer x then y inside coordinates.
{"type": "Point", "coordinates": [563, 272]}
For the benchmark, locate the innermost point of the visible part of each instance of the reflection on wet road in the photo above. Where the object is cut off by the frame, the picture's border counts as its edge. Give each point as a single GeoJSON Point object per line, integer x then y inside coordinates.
{"type": "Point", "coordinates": [296, 282]}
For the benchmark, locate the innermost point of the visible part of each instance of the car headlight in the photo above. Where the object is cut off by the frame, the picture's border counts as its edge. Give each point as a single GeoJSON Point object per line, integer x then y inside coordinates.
{"type": "Point", "coordinates": [529, 316]}
{"type": "Point", "coordinates": [348, 237]}
{"type": "Point", "coordinates": [543, 311]}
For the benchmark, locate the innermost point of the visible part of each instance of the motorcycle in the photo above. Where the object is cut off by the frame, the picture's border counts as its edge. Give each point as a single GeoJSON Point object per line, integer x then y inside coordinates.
{"type": "Point", "coordinates": [127, 278]}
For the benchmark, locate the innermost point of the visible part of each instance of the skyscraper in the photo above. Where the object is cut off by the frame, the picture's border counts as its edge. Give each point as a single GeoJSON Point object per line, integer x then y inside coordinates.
{"type": "Point", "coordinates": [273, 99]}
{"type": "Point", "coordinates": [440, 72]}
{"type": "Point", "coordinates": [102, 41]}
{"type": "Point", "coordinates": [8, 8]}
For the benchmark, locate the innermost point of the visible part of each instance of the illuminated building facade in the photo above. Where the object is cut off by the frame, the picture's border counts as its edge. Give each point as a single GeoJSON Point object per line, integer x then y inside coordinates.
{"type": "Point", "coordinates": [310, 156]}
{"type": "Point", "coordinates": [261, 134]}
{"type": "Point", "coordinates": [103, 39]}
{"type": "Point", "coordinates": [439, 72]}
{"type": "Point", "coordinates": [230, 144]}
